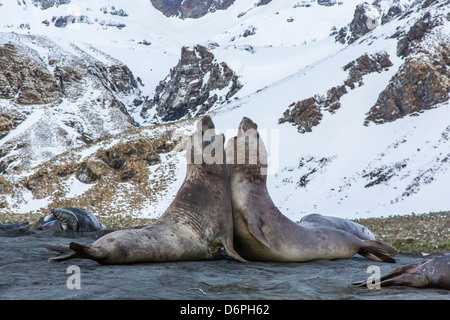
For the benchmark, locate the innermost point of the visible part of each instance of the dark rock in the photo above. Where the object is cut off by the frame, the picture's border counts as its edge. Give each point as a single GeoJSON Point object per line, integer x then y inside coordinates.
{"type": "Point", "coordinates": [362, 23]}
{"type": "Point", "coordinates": [25, 80]}
{"type": "Point", "coordinates": [393, 12]}
{"type": "Point", "coordinates": [262, 2]}
{"type": "Point", "coordinates": [87, 173]}
{"type": "Point", "coordinates": [190, 8]}
{"type": "Point", "coordinates": [62, 22]}
{"type": "Point", "coordinates": [9, 121]}
{"type": "Point", "coordinates": [305, 114]}
{"type": "Point", "coordinates": [45, 4]}
{"type": "Point", "coordinates": [326, 3]}
{"type": "Point", "coordinates": [416, 33]}
{"type": "Point", "coordinates": [127, 175]}
{"type": "Point", "coordinates": [153, 158]}
{"type": "Point", "coordinates": [186, 91]}
{"type": "Point", "coordinates": [364, 65]}
{"type": "Point", "coordinates": [420, 84]}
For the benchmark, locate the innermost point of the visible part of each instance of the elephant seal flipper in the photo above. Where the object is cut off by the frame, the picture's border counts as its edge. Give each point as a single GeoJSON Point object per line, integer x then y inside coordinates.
{"type": "Point", "coordinates": [66, 218]}
{"type": "Point", "coordinates": [378, 251]}
{"type": "Point", "coordinates": [255, 227]}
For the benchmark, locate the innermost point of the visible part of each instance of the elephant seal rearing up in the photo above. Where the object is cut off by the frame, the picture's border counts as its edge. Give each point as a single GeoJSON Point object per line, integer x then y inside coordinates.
{"type": "Point", "coordinates": [195, 225]}
{"type": "Point", "coordinates": [262, 232]}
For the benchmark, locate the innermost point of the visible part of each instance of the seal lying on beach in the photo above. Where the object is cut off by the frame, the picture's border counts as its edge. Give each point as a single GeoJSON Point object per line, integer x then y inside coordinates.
{"type": "Point", "coordinates": [8, 226]}
{"type": "Point", "coordinates": [434, 273]}
{"type": "Point", "coordinates": [316, 220]}
{"type": "Point", "coordinates": [262, 232]}
{"type": "Point", "coordinates": [195, 225]}
{"type": "Point", "coordinates": [74, 219]}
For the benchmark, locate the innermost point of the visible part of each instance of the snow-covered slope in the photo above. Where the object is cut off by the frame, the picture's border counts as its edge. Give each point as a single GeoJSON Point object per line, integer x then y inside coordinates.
{"type": "Point", "coordinates": [283, 52]}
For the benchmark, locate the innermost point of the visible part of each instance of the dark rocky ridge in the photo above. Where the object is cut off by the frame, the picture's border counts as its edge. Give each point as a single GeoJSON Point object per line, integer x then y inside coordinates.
{"type": "Point", "coordinates": [43, 84]}
{"type": "Point", "coordinates": [361, 24]}
{"type": "Point", "coordinates": [307, 113]}
{"type": "Point", "coordinates": [24, 79]}
{"type": "Point", "coordinates": [45, 4]}
{"type": "Point", "coordinates": [187, 90]}
{"type": "Point", "coordinates": [190, 8]}
{"type": "Point", "coordinates": [421, 83]}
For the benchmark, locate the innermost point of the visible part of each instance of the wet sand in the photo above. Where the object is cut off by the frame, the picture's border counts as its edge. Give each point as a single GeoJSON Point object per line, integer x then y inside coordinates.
{"type": "Point", "coordinates": [26, 274]}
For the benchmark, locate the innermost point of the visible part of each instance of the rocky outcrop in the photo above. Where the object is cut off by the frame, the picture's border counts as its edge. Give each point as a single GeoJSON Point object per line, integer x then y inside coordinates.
{"type": "Point", "coordinates": [393, 12]}
{"type": "Point", "coordinates": [306, 114]}
{"type": "Point", "coordinates": [414, 36]}
{"type": "Point", "coordinates": [25, 79]}
{"type": "Point", "coordinates": [193, 86]}
{"type": "Point", "coordinates": [45, 4]}
{"type": "Point", "coordinates": [365, 19]}
{"type": "Point", "coordinates": [421, 83]}
{"type": "Point", "coordinates": [190, 8]}
{"type": "Point", "coordinates": [69, 99]}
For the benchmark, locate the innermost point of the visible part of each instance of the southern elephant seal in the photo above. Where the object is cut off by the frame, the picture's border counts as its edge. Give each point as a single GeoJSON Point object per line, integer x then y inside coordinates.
{"type": "Point", "coordinates": [316, 220]}
{"type": "Point", "coordinates": [74, 219]}
{"type": "Point", "coordinates": [262, 232]}
{"type": "Point", "coordinates": [433, 273]}
{"type": "Point", "coordinates": [9, 226]}
{"type": "Point", "coordinates": [195, 225]}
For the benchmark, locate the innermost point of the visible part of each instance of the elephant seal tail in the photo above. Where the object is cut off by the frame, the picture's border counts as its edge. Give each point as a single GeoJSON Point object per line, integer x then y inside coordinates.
{"type": "Point", "coordinates": [64, 252]}
{"type": "Point", "coordinates": [85, 252]}
{"type": "Point", "coordinates": [378, 251]}
{"type": "Point", "coordinates": [74, 250]}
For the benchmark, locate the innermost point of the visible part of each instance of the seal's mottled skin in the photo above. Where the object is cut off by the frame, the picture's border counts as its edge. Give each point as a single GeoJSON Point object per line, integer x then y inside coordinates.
{"type": "Point", "coordinates": [74, 219]}
{"type": "Point", "coordinates": [433, 273]}
{"type": "Point", "coordinates": [194, 227]}
{"type": "Point", "coordinates": [263, 233]}
{"type": "Point", "coordinates": [316, 220]}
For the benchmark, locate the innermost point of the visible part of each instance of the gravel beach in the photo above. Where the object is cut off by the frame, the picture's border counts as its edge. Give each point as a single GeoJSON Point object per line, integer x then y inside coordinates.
{"type": "Point", "coordinates": [26, 274]}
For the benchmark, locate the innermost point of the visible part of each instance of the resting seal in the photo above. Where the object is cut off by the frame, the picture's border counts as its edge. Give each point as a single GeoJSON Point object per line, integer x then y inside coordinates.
{"type": "Point", "coordinates": [9, 226]}
{"type": "Point", "coordinates": [316, 220]}
{"type": "Point", "coordinates": [195, 225]}
{"type": "Point", "coordinates": [262, 232]}
{"type": "Point", "coordinates": [73, 219]}
{"type": "Point", "coordinates": [434, 273]}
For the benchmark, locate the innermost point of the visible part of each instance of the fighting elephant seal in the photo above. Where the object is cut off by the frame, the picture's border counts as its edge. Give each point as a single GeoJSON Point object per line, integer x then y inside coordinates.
{"type": "Point", "coordinates": [262, 232]}
{"type": "Point", "coordinates": [74, 219]}
{"type": "Point", "coordinates": [433, 273]}
{"type": "Point", "coordinates": [195, 225]}
{"type": "Point", "coordinates": [316, 220]}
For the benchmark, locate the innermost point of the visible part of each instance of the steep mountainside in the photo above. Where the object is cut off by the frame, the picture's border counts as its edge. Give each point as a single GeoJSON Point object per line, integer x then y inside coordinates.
{"type": "Point", "coordinates": [351, 98]}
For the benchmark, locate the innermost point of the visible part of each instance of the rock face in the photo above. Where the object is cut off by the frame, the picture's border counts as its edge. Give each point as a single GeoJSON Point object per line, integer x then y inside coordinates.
{"type": "Point", "coordinates": [193, 86]}
{"type": "Point", "coordinates": [24, 79]}
{"type": "Point", "coordinates": [190, 8]}
{"type": "Point", "coordinates": [306, 114]}
{"type": "Point", "coordinates": [45, 4]}
{"type": "Point", "coordinates": [366, 18]}
{"type": "Point", "coordinates": [64, 99]}
{"type": "Point", "coordinates": [415, 34]}
{"type": "Point", "coordinates": [421, 83]}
